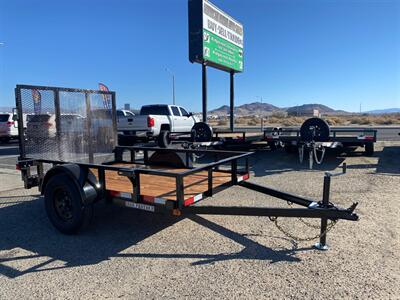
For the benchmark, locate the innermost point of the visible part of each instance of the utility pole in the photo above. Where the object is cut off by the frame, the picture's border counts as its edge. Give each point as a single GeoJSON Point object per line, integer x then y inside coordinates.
{"type": "Point", "coordinates": [262, 117]}
{"type": "Point", "coordinates": [173, 84]}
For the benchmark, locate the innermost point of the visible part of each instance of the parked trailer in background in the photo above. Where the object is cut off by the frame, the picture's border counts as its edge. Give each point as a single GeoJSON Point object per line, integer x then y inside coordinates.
{"type": "Point", "coordinates": [315, 136]}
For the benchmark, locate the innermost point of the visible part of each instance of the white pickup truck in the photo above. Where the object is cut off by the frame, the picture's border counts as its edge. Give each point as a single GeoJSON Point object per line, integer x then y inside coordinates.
{"type": "Point", "coordinates": [154, 119]}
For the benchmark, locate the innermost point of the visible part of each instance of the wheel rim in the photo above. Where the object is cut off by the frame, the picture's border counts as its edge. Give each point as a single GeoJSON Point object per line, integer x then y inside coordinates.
{"type": "Point", "coordinates": [63, 205]}
{"type": "Point", "coordinates": [200, 133]}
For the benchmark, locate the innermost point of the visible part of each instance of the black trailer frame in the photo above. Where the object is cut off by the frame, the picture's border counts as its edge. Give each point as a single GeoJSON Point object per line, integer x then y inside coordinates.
{"type": "Point", "coordinates": [235, 163]}
{"type": "Point", "coordinates": [337, 135]}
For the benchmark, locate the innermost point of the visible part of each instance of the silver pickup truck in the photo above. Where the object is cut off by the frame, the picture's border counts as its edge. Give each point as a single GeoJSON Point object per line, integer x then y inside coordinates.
{"type": "Point", "coordinates": [160, 117]}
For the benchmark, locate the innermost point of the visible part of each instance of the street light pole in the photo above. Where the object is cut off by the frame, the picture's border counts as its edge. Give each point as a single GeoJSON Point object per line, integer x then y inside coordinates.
{"type": "Point", "coordinates": [173, 84]}
{"type": "Point", "coordinates": [173, 89]}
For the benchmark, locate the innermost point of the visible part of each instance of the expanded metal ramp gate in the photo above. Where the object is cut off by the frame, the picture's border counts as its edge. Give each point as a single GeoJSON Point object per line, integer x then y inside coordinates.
{"type": "Point", "coordinates": [66, 124]}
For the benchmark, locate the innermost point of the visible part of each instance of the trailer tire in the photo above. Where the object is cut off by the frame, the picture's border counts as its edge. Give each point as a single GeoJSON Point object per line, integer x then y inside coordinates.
{"type": "Point", "coordinates": [369, 149]}
{"type": "Point", "coordinates": [64, 205]}
{"type": "Point", "coordinates": [163, 140]}
{"type": "Point", "coordinates": [201, 132]}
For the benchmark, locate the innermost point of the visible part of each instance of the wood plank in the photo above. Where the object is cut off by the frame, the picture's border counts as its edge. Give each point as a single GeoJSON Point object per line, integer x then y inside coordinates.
{"type": "Point", "coordinates": [162, 186]}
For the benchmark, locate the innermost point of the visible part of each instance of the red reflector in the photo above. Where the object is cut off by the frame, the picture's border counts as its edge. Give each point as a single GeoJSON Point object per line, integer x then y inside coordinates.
{"type": "Point", "coordinates": [150, 122]}
{"type": "Point", "coordinates": [189, 201]}
{"type": "Point", "coordinates": [148, 199]}
{"type": "Point", "coordinates": [246, 176]}
{"type": "Point", "coordinates": [10, 123]}
{"type": "Point", "coordinates": [114, 193]}
{"type": "Point", "coordinates": [17, 167]}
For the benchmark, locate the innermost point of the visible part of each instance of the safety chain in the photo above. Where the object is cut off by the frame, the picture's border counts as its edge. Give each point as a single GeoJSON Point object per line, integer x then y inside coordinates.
{"type": "Point", "coordinates": [322, 150]}
{"type": "Point", "coordinates": [303, 221]}
{"type": "Point", "coordinates": [300, 239]}
{"type": "Point", "coordinates": [312, 154]}
{"type": "Point", "coordinates": [328, 228]}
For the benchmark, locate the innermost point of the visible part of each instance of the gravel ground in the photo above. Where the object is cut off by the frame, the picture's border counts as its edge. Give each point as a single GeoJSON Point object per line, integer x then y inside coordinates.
{"type": "Point", "coordinates": [130, 254]}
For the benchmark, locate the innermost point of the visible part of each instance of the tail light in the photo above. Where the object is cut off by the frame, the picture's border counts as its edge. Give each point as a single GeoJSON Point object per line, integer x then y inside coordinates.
{"type": "Point", "coordinates": [150, 122]}
{"type": "Point", "coordinates": [17, 167]}
{"type": "Point", "coordinates": [10, 123]}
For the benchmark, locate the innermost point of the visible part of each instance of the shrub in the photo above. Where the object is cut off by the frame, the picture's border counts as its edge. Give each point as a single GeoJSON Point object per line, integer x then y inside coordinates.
{"type": "Point", "coordinates": [222, 122]}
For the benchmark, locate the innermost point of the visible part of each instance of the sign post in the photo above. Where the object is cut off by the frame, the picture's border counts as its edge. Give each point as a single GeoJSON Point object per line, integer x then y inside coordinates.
{"type": "Point", "coordinates": [216, 40]}
{"type": "Point", "coordinates": [204, 90]}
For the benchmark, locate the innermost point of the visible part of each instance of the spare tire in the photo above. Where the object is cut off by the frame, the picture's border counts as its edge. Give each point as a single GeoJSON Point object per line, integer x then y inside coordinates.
{"type": "Point", "coordinates": [201, 132]}
{"type": "Point", "coordinates": [314, 129]}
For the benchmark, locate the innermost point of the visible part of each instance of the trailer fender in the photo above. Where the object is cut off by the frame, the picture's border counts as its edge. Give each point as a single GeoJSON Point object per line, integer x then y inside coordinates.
{"type": "Point", "coordinates": [84, 179]}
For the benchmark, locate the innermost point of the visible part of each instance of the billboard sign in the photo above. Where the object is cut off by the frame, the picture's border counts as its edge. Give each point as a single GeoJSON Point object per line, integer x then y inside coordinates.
{"type": "Point", "coordinates": [215, 38]}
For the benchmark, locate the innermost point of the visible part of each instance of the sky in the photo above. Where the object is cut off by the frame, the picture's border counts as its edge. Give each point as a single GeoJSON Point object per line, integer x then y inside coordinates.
{"type": "Point", "coordinates": [339, 53]}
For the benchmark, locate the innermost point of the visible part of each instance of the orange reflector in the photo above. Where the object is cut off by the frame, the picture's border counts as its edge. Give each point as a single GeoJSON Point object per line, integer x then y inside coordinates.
{"type": "Point", "coordinates": [176, 212]}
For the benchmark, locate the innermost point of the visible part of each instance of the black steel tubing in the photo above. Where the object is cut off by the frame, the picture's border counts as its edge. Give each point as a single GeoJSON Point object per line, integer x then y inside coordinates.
{"type": "Point", "coordinates": [232, 100]}
{"type": "Point", "coordinates": [204, 90]}
{"type": "Point", "coordinates": [62, 89]}
{"type": "Point", "coordinates": [277, 194]}
{"type": "Point", "coordinates": [272, 212]}
{"type": "Point", "coordinates": [325, 203]}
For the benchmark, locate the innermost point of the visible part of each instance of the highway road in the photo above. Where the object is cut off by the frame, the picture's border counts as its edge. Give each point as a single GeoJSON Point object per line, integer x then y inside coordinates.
{"type": "Point", "coordinates": [9, 151]}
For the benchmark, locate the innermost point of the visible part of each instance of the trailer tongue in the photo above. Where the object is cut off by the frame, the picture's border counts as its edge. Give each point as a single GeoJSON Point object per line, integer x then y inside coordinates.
{"type": "Point", "coordinates": [73, 170]}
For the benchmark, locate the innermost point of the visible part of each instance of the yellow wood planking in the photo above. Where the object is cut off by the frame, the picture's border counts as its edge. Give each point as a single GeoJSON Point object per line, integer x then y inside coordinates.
{"type": "Point", "coordinates": [162, 186]}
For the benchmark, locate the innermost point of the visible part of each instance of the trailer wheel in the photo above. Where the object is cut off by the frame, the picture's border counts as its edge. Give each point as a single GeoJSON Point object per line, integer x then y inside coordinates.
{"type": "Point", "coordinates": [201, 132]}
{"type": "Point", "coordinates": [163, 139]}
{"type": "Point", "coordinates": [314, 129]}
{"type": "Point", "coordinates": [64, 205]}
{"type": "Point", "coordinates": [369, 149]}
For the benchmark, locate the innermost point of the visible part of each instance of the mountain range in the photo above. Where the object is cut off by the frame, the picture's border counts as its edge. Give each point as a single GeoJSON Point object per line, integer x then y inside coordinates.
{"type": "Point", "coordinates": [383, 111]}
{"type": "Point", "coordinates": [258, 108]}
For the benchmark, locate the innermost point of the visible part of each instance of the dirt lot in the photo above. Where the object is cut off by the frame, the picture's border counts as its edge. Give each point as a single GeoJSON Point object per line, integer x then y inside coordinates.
{"type": "Point", "coordinates": [131, 254]}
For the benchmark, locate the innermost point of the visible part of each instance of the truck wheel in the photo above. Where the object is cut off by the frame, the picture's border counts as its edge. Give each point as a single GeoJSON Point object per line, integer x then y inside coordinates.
{"type": "Point", "coordinates": [64, 205]}
{"type": "Point", "coordinates": [164, 140]}
{"type": "Point", "coordinates": [369, 149]}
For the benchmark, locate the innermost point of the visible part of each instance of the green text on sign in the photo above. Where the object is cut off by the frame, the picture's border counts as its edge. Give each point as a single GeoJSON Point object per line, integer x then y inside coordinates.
{"type": "Point", "coordinates": [222, 52]}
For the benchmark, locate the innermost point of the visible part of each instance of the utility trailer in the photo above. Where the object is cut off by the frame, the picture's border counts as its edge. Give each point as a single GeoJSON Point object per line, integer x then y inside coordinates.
{"type": "Point", "coordinates": [218, 139]}
{"type": "Point", "coordinates": [156, 180]}
{"type": "Point", "coordinates": [315, 136]}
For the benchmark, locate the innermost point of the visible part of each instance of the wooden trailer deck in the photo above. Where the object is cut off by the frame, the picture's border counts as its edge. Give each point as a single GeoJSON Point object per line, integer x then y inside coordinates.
{"type": "Point", "coordinates": [161, 186]}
